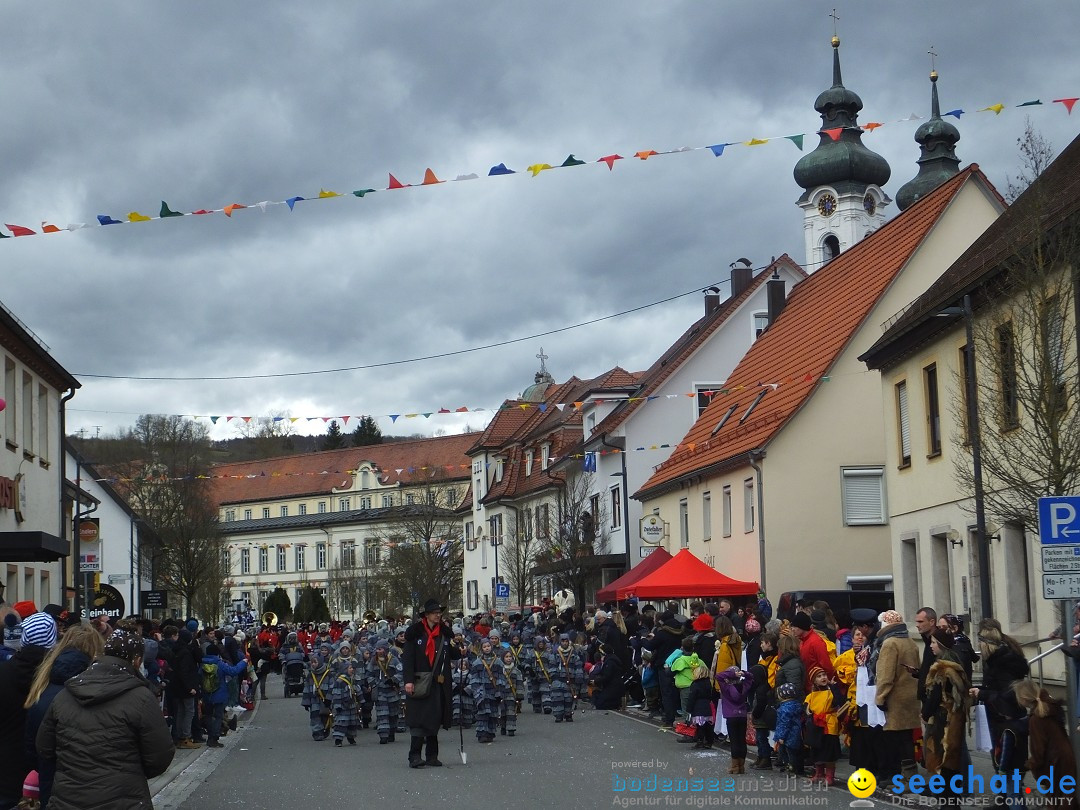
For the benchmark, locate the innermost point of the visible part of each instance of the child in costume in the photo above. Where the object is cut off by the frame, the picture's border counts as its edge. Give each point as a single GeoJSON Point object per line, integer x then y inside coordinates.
{"type": "Point", "coordinates": [512, 697]}
{"type": "Point", "coordinates": [700, 707]}
{"type": "Point", "coordinates": [789, 727]}
{"type": "Point", "coordinates": [316, 696]}
{"type": "Point", "coordinates": [488, 684]}
{"type": "Point", "coordinates": [822, 733]}
{"type": "Point", "coordinates": [464, 705]}
{"type": "Point", "coordinates": [540, 666]}
{"type": "Point", "coordinates": [567, 679]}
{"type": "Point", "coordinates": [384, 675]}
{"type": "Point", "coordinates": [345, 703]}
{"type": "Point", "coordinates": [735, 686]}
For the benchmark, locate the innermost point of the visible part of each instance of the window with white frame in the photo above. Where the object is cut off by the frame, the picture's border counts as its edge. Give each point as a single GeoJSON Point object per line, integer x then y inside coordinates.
{"type": "Point", "coordinates": [684, 524]}
{"type": "Point", "coordinates": [616, 507]}
{"type": "Point", "coordinates": [266, 512]}
{"type": "Point", "coordinates": [472, 594]}
{"type": "Point", "coordinates": [704, 393]}
{"type": "Point", "coordinates": [285, 511]}
{"type": "Point", "coordinates": [528, 462]}
{"type": "Point", "coordinates": [322, 507]}
{"type": "Point", "coordinates": [706, 515]}
{"type": "Point", "coordinates": [387, 500]}
{"type": "Point", "coordinates": [748, 505]}
{"type": "Point", "coordinates": [302, 508]}
{"type": "Point", "coordinates": [43, 424]}
{"type": "Point", "coordinates": [933, 410]}
{"type": "Point", "coordinates": [226, 563]}
{"type": "Point", "coordinates": [230, 515]}
{"type": "Point", "coordinates": [245, 561]}
{"type": "Point", "coordinates": [371, 552]}
{"type": "Point", "coordinates": [301, 557]}
{"type": "Point", "coordinates": [726, 506]}
{"type": "Point", "coordinates": [320, 556]}
{"type": "Point", "coordinates": [348, 553]}
{"type": "Point", "coordinates": [247, 514]}
{"type": "Point", "coordinates": [862, 493]}
{"type": "Point", "coordinates": [410, 499]}
{"type": "Point", "coordinates": [498, 470]}
{"type": "Point", "coordinates": [280, 558]}
{"type": "Point", "coordinates": [545, 456]}
{"type": "Point", "coordinates": [344, 504]}
{"type": "Point", "coordinates": [495, 529]}
{"type": "Point", "coordinates": [264, 560]}
{"type": "Point", "coordinates": [10, 418]}
{"type": "Point", "coordinates": [28, 413]}
{"type": "Point", "coordinates": [542, 512]}
{"type": "Point", "coordinates": [761, 323]}
{"type": "Point", "coordinates": [365, 501]}
{"type": "Point", "coordinates": [470, 541]}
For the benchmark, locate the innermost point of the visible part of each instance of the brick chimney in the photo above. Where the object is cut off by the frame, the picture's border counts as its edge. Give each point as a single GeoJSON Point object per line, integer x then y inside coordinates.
{"type": "Point", "coordinates": [742, 273]}
{"type": "Point", "coordinates": [776, 295]}
{"type": "Point", "coordinates": [712, 300]}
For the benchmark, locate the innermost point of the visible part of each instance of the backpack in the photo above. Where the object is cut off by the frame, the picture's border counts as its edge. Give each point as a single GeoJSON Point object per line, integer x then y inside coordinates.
{"type": "Point", "coordinates": [211, 679]}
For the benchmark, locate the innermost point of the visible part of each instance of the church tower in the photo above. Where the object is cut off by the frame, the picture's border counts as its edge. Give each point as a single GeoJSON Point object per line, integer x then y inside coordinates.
{"type": "Point", "coordinates": [843, 201]}
{"type": "Point", "coordinates": [938, 162]}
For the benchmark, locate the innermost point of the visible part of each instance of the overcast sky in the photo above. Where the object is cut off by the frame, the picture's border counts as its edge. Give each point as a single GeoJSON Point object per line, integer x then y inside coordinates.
{"type": "Point", "coordinates": [111, 108]}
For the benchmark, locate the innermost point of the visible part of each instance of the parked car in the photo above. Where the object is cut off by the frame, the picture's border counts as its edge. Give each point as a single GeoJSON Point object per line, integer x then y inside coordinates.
{"type": "Point", "coordinates": [841, 602]}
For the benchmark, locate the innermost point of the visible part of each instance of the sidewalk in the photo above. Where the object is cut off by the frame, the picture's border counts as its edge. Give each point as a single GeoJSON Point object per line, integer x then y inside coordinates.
{"type": "Point", "coordinates": [982, 764]}
{"type": "Point", "coordinates": [186, 757]}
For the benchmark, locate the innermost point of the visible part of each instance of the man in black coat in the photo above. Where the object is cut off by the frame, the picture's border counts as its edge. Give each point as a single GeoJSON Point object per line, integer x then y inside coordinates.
{"type": "Point", "coordinates": [429, 647]}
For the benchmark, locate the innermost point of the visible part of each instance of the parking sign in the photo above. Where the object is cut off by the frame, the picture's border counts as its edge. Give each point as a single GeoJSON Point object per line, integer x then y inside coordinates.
{"type": "Point", "coordinates": [1059, 520]}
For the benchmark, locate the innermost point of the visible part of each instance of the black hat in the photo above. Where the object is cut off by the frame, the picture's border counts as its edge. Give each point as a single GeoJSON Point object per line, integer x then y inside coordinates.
{"type": "Point", "coordinates": [863, 616]}
{"type": "Point", "coordinates": [802, 621]}
{"type": "Point", "coordinates": [944, 638]}
{"type": "Point", "coordinates": [432, 605]}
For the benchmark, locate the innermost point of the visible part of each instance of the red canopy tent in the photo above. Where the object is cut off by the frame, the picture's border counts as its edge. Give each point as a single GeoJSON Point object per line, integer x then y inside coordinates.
{"type": "Point", "coordinates": [642, 569]}
{"type": "Point", "coordinates": [684, 576]}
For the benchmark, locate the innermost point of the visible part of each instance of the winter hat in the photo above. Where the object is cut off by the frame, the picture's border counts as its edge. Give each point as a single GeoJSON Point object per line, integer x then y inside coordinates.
{"type": "Point", "coordinates": [802, 621]}
{"type": "Point", "coordinates": [192, 625]}
{"type": "Point", "coordinates": [891, 617]}
{"type": "Point", "coordinates": [382, 644]}
{"type": "Point", "coordinates": [212, 649]}
{"type": "Point", "coordinates": [30, 788]}
{"type": "Point", "coordinates": [813, 673]}
{"type": "Point", "coordinates": [818, 618]}
{"type": "Point", "coordinates": [39, 630]}
{"type": "Point", "coordinates": [703, 623]}
{"type": "Point", "coordinates": [944, 638]}
{"type": "Point", "coordinates": [185, 636]}
{"type": "Point", "coordinates": [752, 626]}
{"type": "Point", "coordinates": [124, 645]}
{"type": "Point", "coordinates": [25, 609]}
{"type": "Point", "coordinates": [564, 637]}
{"type": "Point", "coordinates": [786, 691]}
{"type": "Point", "coordinates": [12, 631]}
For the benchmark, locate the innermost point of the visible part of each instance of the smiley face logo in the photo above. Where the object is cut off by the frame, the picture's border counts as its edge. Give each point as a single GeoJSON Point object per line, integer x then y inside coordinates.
{"type": "Point", "coordinates": [861, 783]}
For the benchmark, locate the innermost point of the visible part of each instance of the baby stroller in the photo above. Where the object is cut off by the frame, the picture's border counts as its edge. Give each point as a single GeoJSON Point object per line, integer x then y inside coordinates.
{"type": "Point", "coordinates": [292, 673]}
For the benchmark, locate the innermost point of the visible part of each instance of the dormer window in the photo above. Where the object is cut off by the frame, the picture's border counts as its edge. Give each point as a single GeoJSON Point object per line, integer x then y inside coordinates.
{"type": "Point", "coordinates": [498, 470]}
{"type": "Point", "coordinates": [590, 422]}
{"type": "Point", "coordinates": [365, 479]}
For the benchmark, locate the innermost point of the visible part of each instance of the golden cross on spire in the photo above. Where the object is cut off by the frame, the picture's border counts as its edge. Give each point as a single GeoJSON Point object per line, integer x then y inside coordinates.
{"type": "Point", "coordinates": [933, 63]}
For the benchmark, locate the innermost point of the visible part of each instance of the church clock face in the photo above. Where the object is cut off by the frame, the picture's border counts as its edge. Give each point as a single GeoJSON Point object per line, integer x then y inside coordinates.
{"type": "Point", "coordinates": [869, 204]}
{"type": "Point", "coordinates": [826, 205]}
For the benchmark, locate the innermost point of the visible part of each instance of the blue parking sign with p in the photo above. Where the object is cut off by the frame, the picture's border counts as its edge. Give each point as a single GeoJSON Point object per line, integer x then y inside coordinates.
{"type": "Point", "coordinates": [502, 590]}
{"type": "Point", "coordinates": [1059, 520]}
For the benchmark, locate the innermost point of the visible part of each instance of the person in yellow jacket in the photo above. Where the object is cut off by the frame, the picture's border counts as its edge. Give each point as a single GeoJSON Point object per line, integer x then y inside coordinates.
{"type": "Point", "coordinates": [822, 731]}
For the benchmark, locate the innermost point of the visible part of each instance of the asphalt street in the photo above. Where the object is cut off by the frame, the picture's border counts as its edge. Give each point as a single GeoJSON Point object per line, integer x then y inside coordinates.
{"type": "Point", "coordinates": [603, 759]}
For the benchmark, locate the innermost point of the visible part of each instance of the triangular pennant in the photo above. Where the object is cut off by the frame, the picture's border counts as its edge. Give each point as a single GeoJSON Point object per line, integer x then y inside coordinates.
{"type": "Point", "coordinates": [19, 230]}
{"type": "Point", "coordinates": [292, 201]}
{"type": "Point", "coordinates": [648, 153]}
{"type": "Point", "coordinates": [609, 160]}
{"type": "Point", "coordinates": [994, 108]}
{"type": "Point", "coordinates": [1033, 103]}
{"type": "Point", "coordinates": [756, 141]}
{"type": "Point", "coordinates": [462, 409]}
{"type": "Point", "coordinates": [202, 211]}
{"type": "Point", "coordinates": [228, 209]}
{"type": "Point", "coordinates": [560, 405]}
{"type": "Point", "coordinates": [360, 192]}
{"type": "Point", "coordinates": [395, 183]}
{"type": "Point", "coordinates": [500, 169]}
{"type": "Point", "coordinates": [262, 205]}
{"type": "Point", "coordinates": [955, 113]}
{"type": "Point", "coordinates": [47, 228]}
{"type": "Point", "coordinates": [536, 168]}
{"type": "Point", "coordinates": [444, 410]}
{"type": "Point", "coordinates": [4, 235]}
{"type": "Point", "coordinates": [214, 419]}
{"type": "Point", "coordinates": [74, 226]}
{"type": "Point", "coordinates": [168, 212]}
{"type": "Point", "coordinates": [834, 133]}
{"type": "Point", "coordinates": [871, 126]}
{"type": "Point", "coordinates": [718, 149]}
{"type": "Point", "coordinates": [135, 216]}
{"type": "Point", "coordinates": [795, 139]}
{"type": "Point", "coordinates": [248, 419]}
{"type": "Point", "coordinates": [324, 194]}
{"type": "Point", "coordinates": [394, 416]}
{"type": "Point", "coordinates": [1068, 102]}
{"type": "Point", "coordinates": [470, 176]}
{"type": "Point", "coordinates": [429, 178]}
{"type": "Point", "coordinates": [345, 419]}
{"type": "Point", "coordinates": [572, 161]}
{"type": "Point", "coordinates": [105, 219]}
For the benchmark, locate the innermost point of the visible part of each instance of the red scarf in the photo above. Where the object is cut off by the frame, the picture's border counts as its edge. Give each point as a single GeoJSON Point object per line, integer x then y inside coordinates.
{"type": "Point", "coordinates": [432, 634]}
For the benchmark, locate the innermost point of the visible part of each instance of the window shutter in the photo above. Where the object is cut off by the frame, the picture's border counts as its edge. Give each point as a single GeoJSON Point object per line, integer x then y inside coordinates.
{"type": "Point", "coordinates": [863, 496]}
{"type": "Point", "coordinates": [905, 422]}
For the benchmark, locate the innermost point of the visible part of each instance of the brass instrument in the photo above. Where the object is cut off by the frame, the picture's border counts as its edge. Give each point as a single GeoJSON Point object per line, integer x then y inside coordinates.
{"type": "Point", "coordinates": [370, 616]}
{"type": "Point", "coordinates": [270, 618]}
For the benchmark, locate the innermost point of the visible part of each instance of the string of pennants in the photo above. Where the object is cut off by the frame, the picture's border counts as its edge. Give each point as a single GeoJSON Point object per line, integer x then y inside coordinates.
{"type": "Point", "coordinates": [543, 407]}
{"type": "Point", "coordinates": [500, 169]}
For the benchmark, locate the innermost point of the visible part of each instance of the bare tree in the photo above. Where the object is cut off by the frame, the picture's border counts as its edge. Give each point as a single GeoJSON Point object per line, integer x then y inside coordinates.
{"type": "Point", "coordinates": [1036, 153]}
{"type": "Point", "coordinates": [345, 584]}
{"type": "Point", "coordinates": [169, 486]}
{"type": "Point", "coordinates": [518, 553]}
{"type": "Point", "coordinates": [1028, 377]}
{"type": "Point", "coordinates": [268, 435]}
{"type": "Point", "coordinates": [571, 533]}
{"type": "Point", "coordinates": [424, 555]}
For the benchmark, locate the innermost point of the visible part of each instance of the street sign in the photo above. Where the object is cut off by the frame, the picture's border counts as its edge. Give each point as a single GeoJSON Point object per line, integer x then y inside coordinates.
{"type": "Point", "coordinates": [1061, 586]}
{"type": "Point", "coordinates": [502, 596]}
{"type": "Point", "coordinates": [1061, 559]}
{"type": "Point", "coordinates": [160, 599]}
{"type": "Point", "coordinates": [1059, 520]}
{"type": "Point", "coordinates": [115, 579]}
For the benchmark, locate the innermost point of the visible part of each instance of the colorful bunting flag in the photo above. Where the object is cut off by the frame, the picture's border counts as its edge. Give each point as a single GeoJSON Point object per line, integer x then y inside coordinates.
{"type": "Point", "coordinates": [648, 153]}
{"type": "Point", "coordinates": [834, 133]}
{"type": "Point", "coordinates": [1068, 102]}
{"type": "Point", "coordinates": [168, 212]}
{"type": "Point", "coordinates": [795, 139]}
{"type": "Point", "coordinates": [756, 141]}
{"type": "Point", "coordinates": [430, 179]}
{"type": "Point", "coordinates": [19, 230]}
{"type": "Point", "coordinates": [955, 113]}
{"type": "Point", "coordinates": [47, 228]}
{"type": "Point", "coordinates": [718, 149]}
{"type": "Point", "coordinates": [359, 192]}
{"type": "Point", "coordinates": [292, 201]}
{"type": "Point", "coordinates": [324, 194]}
{"type": "Point", "coordinates": [500, 169]}
{"type": "Point", "coordinates": [105, 219]}
{"type": "Point", "coordinates": [228, 209]}
{"type": "Point", "coordinates": [536, 168]}
{"type": "Point", "coordinates": [1034, 103]}
{"type": "Point", "coordinates": [871, 126]}
{"type": "Point", "coordinates": [609, 160]}
{"type": "Point", "coordinates": [135, 216]}
{"type": "Point", "coordinates": [395, 183]}
{"type": "Point", "coordinates": [994, 108]}
{"type": "Point", "coordinates": [572, 161]}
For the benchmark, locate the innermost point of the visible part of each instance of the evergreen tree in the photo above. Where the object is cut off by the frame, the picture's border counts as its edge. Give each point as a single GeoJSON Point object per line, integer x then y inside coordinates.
{"type": "Point", "coordinates": [367, 432]}
{"type": "Point", "coordinates": [311, 607]}
{"type": "Point", "coordinates": [333, 440]}
{"type": "Point", "coordinates": [278, 602]}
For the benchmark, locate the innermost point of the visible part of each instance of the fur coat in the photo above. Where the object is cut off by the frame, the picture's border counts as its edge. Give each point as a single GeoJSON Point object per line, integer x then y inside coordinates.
{"type": "Point", "coordinates": [945, 710]}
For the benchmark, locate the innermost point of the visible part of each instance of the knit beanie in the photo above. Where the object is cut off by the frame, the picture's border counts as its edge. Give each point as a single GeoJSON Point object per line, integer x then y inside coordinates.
{"type": "Point", "coordinates": [39, 630]}
{"type": "Point", "coordinates": [25, 609]}
{"type": "Point", "coordinates": [124, 645]}
{"type": "Point", "coordinates": [802, 621]}
{"type": "Point", "coordinates": [944, 638]}
{"type": "Point", "coordinates": [704, 623]}
{"type": "Point", "coordinates": [752, 626]}
{"type": "Point", "coordinates": [891, 617]}
{"type": "Point", "coordinates": [30, 788]}
{"type": "Point", "coordinates": [813, 673]}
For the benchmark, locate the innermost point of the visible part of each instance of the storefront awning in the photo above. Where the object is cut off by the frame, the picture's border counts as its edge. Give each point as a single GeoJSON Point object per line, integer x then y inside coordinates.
{"type": "Point", "coordinates": [32, 547]}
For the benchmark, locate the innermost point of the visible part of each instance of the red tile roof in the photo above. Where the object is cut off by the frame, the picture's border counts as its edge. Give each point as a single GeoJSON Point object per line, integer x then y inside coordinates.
{"type": "Point", "coordinates": [787, 362]}
{"type": "Point", "coordinates": [320, 473]}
